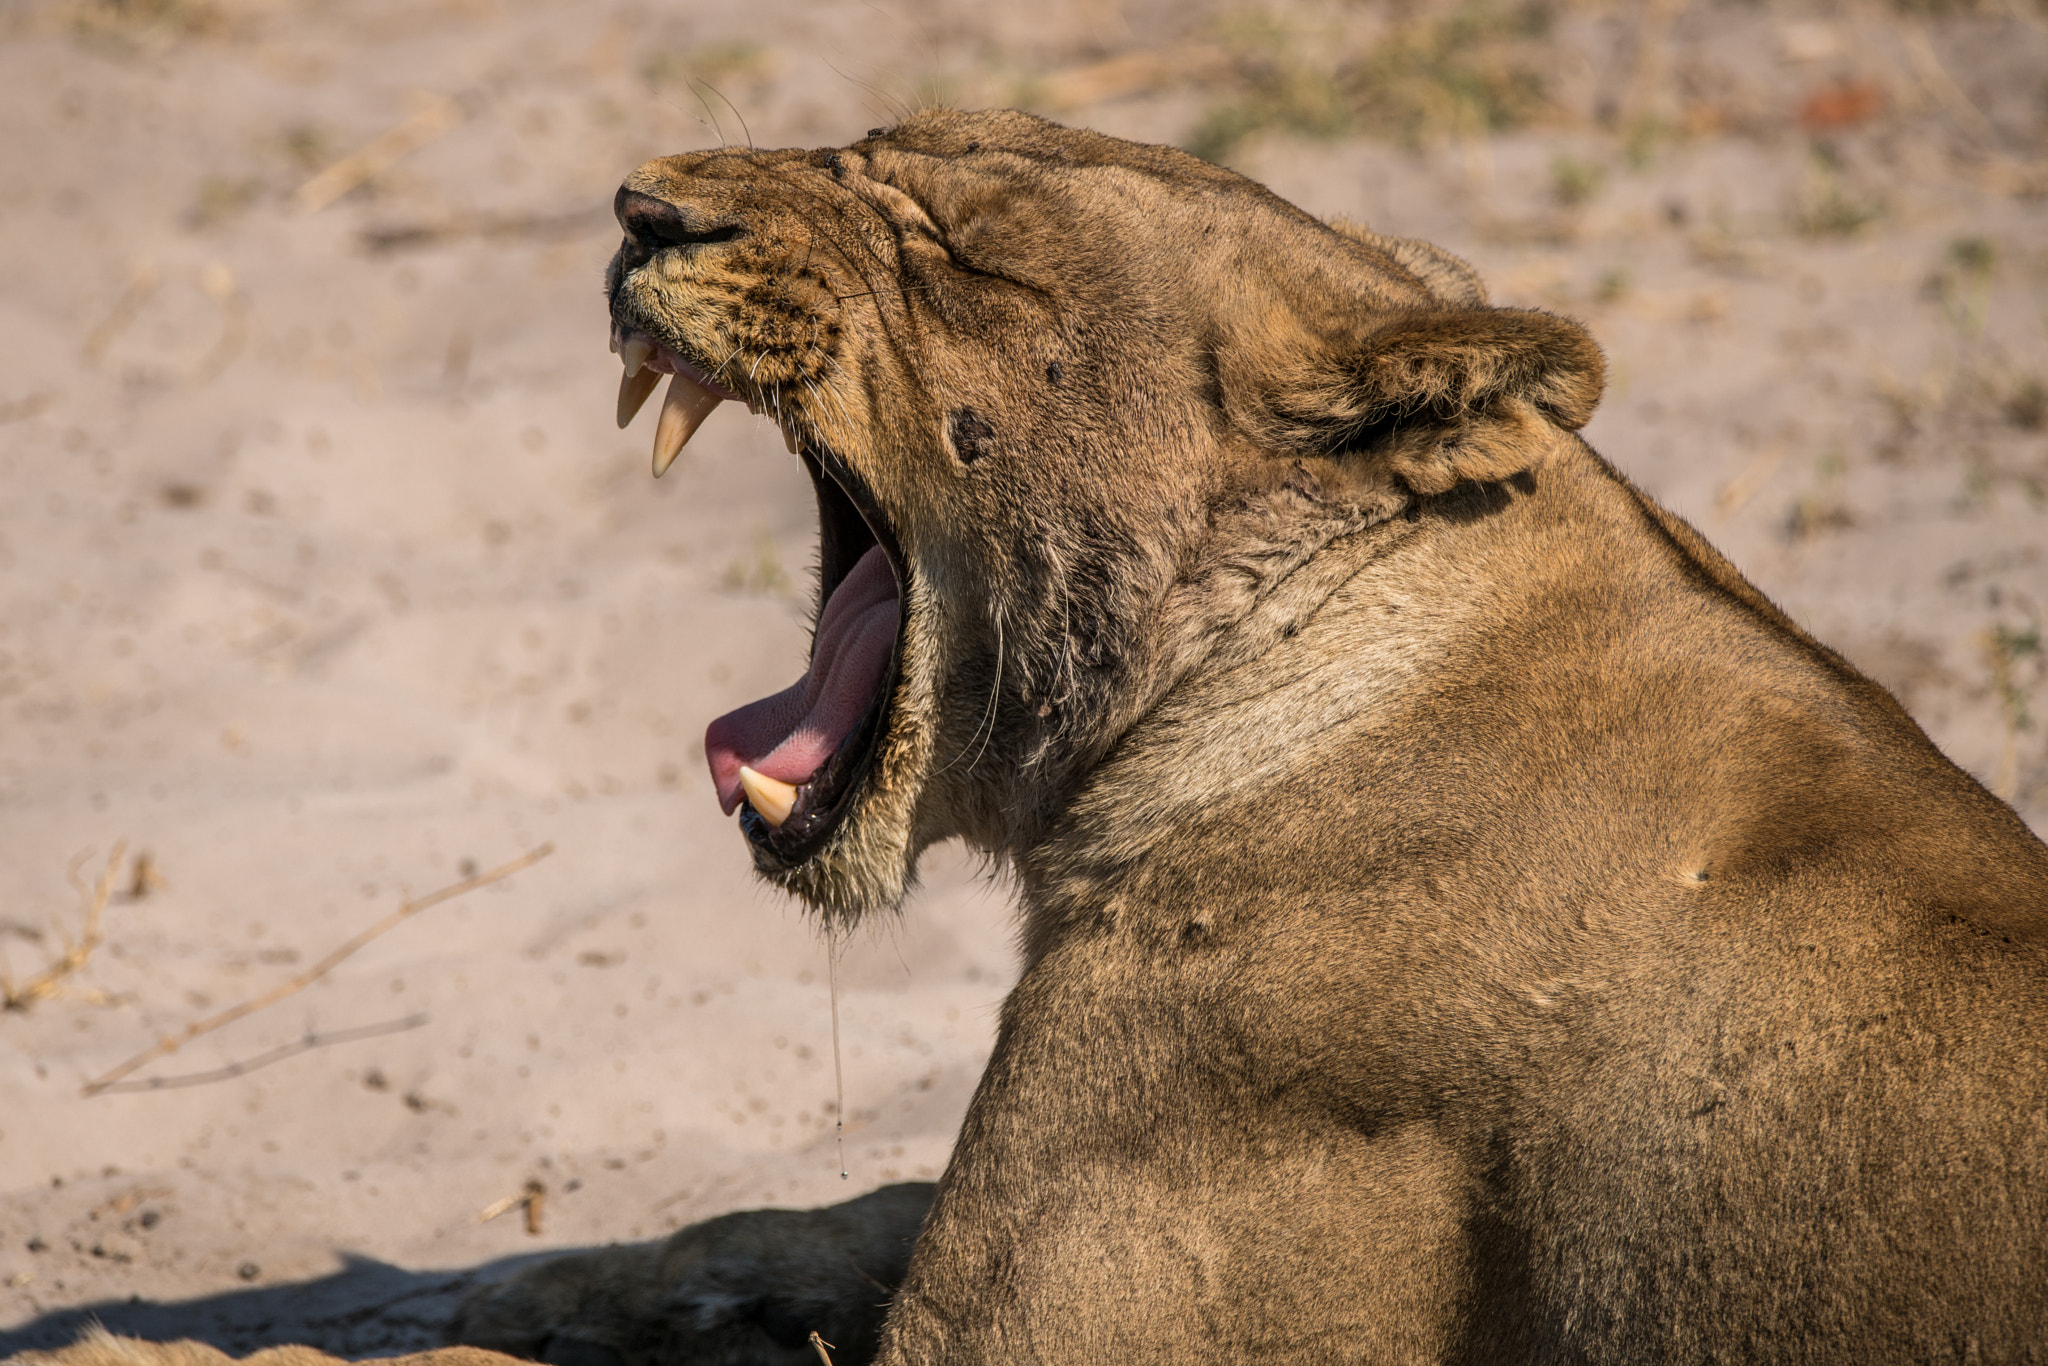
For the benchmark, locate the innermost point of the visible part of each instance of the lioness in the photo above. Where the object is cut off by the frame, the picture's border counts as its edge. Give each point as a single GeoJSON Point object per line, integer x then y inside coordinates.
{"type": "Point", "coordinates": [1462, 919]}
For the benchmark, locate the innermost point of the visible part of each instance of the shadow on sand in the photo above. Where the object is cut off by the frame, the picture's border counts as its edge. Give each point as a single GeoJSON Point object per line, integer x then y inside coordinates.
{"type": "Point", "coordinates": [365, 1309]}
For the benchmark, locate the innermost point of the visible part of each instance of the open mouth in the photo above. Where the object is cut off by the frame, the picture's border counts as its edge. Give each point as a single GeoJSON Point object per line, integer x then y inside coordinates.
{"type": "Point", "coordinates": [794, 764]}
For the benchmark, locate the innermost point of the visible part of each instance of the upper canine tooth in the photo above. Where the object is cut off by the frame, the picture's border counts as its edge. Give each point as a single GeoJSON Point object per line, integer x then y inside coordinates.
{"type": "Point", "coordinates": [685, 405]}
{"type": "Point", "coordinates": [789, 439]}
{"type": "Point", "coordinates": [772, 797]}
{"type": "Point", "coordinates": [633, 391]}
{"type": "Point", "coordinates": [634, 352]}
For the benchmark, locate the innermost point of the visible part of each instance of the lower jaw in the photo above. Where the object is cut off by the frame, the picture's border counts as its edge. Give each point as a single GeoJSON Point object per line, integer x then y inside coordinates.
{"type": "Point", "coordinates": [861, 861]}
{"type": "Point", "coordinates": [830, 801]}
{"type": "Point", "coordinates": [860, 867]}
{"type": "Point", "coordinates": [848, 881]}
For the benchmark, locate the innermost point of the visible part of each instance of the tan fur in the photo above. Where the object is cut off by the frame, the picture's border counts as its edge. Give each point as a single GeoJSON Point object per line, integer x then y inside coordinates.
{"type": "Point", "coordinates": [1463, 920]}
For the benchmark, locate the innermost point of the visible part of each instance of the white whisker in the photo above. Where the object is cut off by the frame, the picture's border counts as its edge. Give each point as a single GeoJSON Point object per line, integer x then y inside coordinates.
{"type": "Point", "coordinates": [988, 714]}
{"type": "Point", "coordinates": [995, 689]}
{"type": "Point", "coordinates": [727, 361]}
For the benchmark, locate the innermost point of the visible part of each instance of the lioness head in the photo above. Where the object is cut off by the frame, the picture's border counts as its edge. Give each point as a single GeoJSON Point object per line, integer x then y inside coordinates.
{"type": "Point", "coordinates": [1073, 408]}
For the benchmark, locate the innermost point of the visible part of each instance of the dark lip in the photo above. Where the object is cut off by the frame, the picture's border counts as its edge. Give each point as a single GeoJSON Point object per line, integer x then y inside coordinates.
{"type": "Point", "coordinates": [844, 503]}
{"type": "Point", "coordinates": [670, 359]}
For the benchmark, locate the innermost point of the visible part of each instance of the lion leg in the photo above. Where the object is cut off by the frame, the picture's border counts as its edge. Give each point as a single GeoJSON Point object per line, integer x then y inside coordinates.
{"type": "Point", "coordinates": [745, 1289]}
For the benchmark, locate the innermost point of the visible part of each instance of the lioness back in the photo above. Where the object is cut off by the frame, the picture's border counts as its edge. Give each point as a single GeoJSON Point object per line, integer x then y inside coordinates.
{"type": "Point", "coordinates": [1556, 955]}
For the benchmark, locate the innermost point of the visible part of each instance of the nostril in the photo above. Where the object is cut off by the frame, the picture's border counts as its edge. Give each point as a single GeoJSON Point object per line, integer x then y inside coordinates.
{"type": "Point", "coordinates": [656, 223]}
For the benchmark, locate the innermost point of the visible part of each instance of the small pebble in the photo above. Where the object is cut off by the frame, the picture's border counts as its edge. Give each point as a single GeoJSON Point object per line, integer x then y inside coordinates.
{"type": "Point", "coordinates": [248, 1271]}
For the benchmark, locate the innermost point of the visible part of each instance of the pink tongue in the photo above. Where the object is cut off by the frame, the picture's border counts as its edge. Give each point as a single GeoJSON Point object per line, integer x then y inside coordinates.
{"type": "Point", "coordinates": [790, 735]}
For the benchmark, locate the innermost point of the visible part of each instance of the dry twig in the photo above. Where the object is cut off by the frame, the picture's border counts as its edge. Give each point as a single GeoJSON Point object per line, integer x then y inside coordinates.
{"type": "Point", "coordinates": [530, 1198]}
{"type": "Point", "coordinates": [304, 1044]}
{"type": "Point", "coordinates": [819, 1345]}
{"type": "Point", "coordinates": [171, 1043]}
{"type": "Point", "coordinates": [50, 980]}
{"type": "Point", "coordinates": [436, 117]}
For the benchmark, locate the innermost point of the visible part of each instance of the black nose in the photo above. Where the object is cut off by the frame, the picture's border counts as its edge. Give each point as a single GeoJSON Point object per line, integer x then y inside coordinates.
{"type": "Point", "coordinates": [656, 223]}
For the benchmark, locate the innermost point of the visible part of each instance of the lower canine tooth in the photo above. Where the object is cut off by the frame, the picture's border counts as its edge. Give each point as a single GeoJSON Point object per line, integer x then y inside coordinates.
{"type": "Point", "coordinates": [634, 353]}
{"type": "Point", "coordinates": [633, 392]}
{"type": "Point", "coordinates": [771, 797]}
{"type": "Point", "coordinates": [685, 405]}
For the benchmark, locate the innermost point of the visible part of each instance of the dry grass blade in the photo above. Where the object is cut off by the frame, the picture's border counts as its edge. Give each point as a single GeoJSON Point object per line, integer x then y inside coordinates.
{"type": "Point", "coordinates": [1135, 73]}
{"type": "Point", "coordinates": [378, 156]}
{"type": "Point", "coordinates": [171, 1043]}
{"type": "Point", "coordinates": [819, 1345]}
{"type": "Point", "coordinates": [2008, 650]}
{"type": "Point", "coordinates": [1934, 76]}
{"type": "Point", "coordinates": [50, 980]}
{"type": "Point", "coordinates": [398, 237]}
{"type": "Point", "coordinates": [22, 409]}
{"type": "Point", "coordinates": [141, 287]}
{"type": "Point", "coordinates": [1650, 60]}
{"type": "Point", "coordinates": [1736, 493]}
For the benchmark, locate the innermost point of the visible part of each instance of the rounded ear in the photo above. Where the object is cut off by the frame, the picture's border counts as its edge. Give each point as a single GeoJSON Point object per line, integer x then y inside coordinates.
{"type": "Point", "coordinates": [1444, 395]}
{"type": "Point", "coordinates": [1455, 363]}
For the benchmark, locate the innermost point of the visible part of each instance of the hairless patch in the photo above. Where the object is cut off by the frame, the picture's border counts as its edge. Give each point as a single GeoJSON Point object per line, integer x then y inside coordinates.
{"type": "Point", "coordinates": [971, 435]}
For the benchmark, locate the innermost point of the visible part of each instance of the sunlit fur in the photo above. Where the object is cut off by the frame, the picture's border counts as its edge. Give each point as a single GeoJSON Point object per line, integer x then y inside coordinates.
{"type": "Point", "coordinates": [1462, 919]}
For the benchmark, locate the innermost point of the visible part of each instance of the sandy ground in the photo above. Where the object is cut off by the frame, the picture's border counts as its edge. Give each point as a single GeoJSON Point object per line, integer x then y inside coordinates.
{"type": "Point", "coordinates": [325, 580]}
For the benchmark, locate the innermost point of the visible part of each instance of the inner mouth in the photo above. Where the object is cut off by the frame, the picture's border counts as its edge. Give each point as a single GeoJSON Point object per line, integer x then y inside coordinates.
{"type": "Point", "coordinates": [793, 764]}
{"type": "Point", "coordinates": [819, 735]}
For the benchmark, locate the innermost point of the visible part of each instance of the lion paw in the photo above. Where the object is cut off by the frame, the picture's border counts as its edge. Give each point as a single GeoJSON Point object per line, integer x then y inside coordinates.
{"type": "Point", "coordinates": [744, 1289]}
